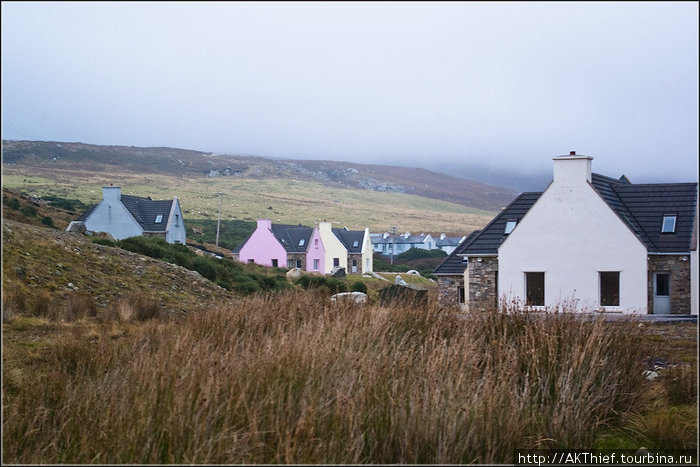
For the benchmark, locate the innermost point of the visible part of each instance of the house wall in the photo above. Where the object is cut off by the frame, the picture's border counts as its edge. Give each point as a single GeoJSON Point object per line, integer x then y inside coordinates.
{"type": "Point", "coordinates": [333, 248]}
{"type": "Point", "coordinates": [571, 235]}
{"type": "Point", "coordinates": [448, 290]}
{"type": "Point", "coordinates": [367, 253]}
{"type": "Point", "coordinates": [262, 247]}
{"type": "Point", "coordinates": [316, 251]}
{"type": "Point", "coordinates": [176, 232]}
{"type": "Point", "coordinates": [111, 216]}
{"type": "Point", "coordinates": [680, 281]}
{"type": "Point", "coordinates": [481, 276]}
{"type": "Point", "coordinates": [694, 282]}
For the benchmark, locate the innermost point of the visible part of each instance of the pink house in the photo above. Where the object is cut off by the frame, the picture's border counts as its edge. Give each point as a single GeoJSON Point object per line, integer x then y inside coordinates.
{"type": "Point", "coordinates": [281, 245]}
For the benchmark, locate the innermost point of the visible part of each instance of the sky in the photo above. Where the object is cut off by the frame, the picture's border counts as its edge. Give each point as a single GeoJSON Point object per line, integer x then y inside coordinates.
{"type": "Point", "coordinates": [467, 88]}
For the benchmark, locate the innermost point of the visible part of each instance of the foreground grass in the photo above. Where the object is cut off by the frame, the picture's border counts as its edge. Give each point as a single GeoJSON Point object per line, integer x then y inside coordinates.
{"type": "Point", "coordinates": [291, 379]}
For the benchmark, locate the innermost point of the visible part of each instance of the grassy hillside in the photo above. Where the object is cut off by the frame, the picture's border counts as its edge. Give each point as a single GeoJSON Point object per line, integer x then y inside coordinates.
{"type": "Point", "coordinates": [283, 201]}
{"type": "Point", "coordinates": [187, 163]}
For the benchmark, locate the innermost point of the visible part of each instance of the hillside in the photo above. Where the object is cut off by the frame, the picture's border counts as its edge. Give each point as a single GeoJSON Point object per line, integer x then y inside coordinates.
{"type": "Point", "coordinates": [189, 163]}
{"type": "Point", "coordinates": [46, 268]}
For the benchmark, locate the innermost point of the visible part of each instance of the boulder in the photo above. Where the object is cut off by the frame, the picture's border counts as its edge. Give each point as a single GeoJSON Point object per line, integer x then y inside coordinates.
{"type": "Point", "coordinates": [355, 297]}
{"type": "Point", "coordinates": [293, 274]}
{"type": "Point", "coordinates": [338, 272]}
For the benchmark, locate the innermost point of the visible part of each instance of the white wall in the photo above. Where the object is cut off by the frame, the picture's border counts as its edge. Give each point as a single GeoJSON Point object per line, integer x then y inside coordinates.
{"type": "Point", "coordinates": [111, 216]}
{"type": "Point", "coordinates": [571, 235]}
{"type": "Point", "coordinates": [176, 224]}
{"type": "Point", "coordinates": [333, 247]}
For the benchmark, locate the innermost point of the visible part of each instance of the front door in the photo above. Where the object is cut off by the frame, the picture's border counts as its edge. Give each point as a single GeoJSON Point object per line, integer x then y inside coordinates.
{"type": "Point", "coordinates": [354, 265]}
{"type": "Point", "coordinates": [662, 293]}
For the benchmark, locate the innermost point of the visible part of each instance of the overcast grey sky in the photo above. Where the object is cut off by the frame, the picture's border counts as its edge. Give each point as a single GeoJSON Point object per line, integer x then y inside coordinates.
{"type": "Point", "coordinates": [442, 86]}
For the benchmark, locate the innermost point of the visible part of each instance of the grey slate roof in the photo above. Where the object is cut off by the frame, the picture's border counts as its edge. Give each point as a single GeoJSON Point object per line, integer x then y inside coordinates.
{"type": "Point", "coordinates": [640, 206]}
{"type": "Point", "coordinates": [144, 211]}
{"type": "Point", "coordinates": [291, 235]}
{"type": "Point", "coordinates": [349, 238]}
{"type": "Point", "coordinates": [454, 264]}
{"type": "Point", "coordinates": [447, 241]}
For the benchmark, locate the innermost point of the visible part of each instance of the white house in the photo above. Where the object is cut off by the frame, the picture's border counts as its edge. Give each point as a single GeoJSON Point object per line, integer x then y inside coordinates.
{"type": "Point", "coordinates": [588, 242]}
{"type": "Point", "coordinates": [125, 216]}
{"type": "Point", "coordinates": [386, 243]}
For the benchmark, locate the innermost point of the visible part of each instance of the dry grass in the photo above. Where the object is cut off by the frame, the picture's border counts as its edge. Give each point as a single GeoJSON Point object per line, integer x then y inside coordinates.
{"type": "Point", "coordinates": [288, 378]}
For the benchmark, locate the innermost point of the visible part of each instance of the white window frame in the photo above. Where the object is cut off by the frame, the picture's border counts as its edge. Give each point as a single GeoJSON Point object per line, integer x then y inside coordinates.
{"type": "Point", "coordinates": [669, 218]}
{"type": "Point", "coordinates": [159, 219]}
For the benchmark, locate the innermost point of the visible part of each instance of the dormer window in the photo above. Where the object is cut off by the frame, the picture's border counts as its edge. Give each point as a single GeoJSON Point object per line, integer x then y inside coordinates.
{"type": "Point", "coordinates": [159, 218]}
{"type": "Point", "coordinates": [510, 225]}
{"type": "Point", "coordinates": [669, 224]}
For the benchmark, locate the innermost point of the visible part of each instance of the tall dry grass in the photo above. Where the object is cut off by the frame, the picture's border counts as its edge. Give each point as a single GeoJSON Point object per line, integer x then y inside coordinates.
{"type": "Point", "coordinates": [290, 378]}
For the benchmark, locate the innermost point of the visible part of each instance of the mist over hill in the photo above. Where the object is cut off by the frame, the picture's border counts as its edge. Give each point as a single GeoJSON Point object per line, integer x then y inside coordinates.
{"type": "Point", "coordinates": [192, 163]}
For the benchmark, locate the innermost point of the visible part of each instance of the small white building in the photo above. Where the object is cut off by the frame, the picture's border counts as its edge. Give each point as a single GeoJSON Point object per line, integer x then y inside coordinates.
{"type": "Point", "coordinates": [587, 243]}
{"type": "Point", "coordinates": [124, 216]}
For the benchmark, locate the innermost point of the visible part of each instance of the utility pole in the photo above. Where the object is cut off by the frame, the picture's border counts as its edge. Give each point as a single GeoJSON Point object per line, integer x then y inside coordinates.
{"type": "Point", "coordinates": [393, 235]}
{"type": "Point", "coordinates": [218, 222]}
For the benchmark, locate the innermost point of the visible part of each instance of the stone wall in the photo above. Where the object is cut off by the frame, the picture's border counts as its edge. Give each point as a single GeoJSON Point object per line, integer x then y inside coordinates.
{"type": "Point", "coordinates": [482, 277]}
{"type": "Point", "coordinates": [448, 290]}
{"type": "Point", "coordinates": [680, 281]}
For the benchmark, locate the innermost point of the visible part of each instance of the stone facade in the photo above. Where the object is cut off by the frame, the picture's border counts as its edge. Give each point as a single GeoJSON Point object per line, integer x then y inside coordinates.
{"type": "Point", "coordinates": [680, 281]}
{"type": "Point", "coordinates": [482, 277]}
{"type": "Point", "coordinates": [449, 290]}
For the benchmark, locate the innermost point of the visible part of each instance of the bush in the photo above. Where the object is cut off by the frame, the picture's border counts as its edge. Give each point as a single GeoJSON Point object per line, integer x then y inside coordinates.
{"type": "Point", "coordinates": [358, 287]}
{"type": "Point", "coordinates": [11, 203]}
{"type": "Point", "coordinates": [322, 282]}
{"type": "Point", "coordinates": [46, 220]}
{"type": "Point", "coordinates": [28, 211]}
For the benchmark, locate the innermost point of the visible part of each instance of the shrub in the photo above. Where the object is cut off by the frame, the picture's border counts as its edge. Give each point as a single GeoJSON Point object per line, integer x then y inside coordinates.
{"type": "Point", "coordinates": [12, 203]}
{"type": "Point", "coordinates": [358, 287]}
{"type": "Point", "coordinates": [79, 306]}
{"type": "Point", "coordinates": [28, 211]}
{"type": "Point", "coordinates": [46, 220]}
{"type": "Point", "coordinates": [329, 284]}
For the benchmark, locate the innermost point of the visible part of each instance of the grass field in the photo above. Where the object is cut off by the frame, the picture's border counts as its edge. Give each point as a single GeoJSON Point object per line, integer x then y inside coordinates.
{"type": "Point", "coordinates": [283, 201]}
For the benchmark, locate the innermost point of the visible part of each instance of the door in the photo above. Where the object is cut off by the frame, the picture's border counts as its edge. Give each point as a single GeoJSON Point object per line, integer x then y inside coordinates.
{"type": "Point", "coordinates": [354, 265]}
{"type": "Point", "coordinates": [662, 293]}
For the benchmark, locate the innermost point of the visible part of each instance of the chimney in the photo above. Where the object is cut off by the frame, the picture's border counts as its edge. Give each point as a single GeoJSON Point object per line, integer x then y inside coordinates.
{"type": "Point", "coordinates": [265, 224]}
{"type": "Point", "coordinates": [572, 169]}
{"type": "Point", "coordinates": [324, 226]}
{"type": "Point", "coordinates": [111, 193]}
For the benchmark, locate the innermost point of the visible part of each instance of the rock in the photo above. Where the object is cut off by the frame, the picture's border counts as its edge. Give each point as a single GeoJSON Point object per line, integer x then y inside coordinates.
{"type": "Point", "coordinates": [650, 375]}
{"type": "Point", "coordinates": [355, 297]}
{"type": "Point", "coordinates": [293, 274]}
{"type": "Point", "coordinates": [76, 226]}
{"type": "Point", "coordinates": [413, 272]}
{"type": "Point", "coordinates": [338, 272]}
{"type": "Point", "coordinates": [398, 280]}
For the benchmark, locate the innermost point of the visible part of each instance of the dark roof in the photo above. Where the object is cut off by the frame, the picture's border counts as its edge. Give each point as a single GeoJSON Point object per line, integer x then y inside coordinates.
{"type": "Point", "coordinates": [454, 263]}
{"type": "Point", "coordinates": [349, 237]}
{"type": "Point", "coordinates": [144, 211]}
{"type": "Point", "coordinates": [292, 235]}
{"type": "Point", "coordinates": [448, 241]}
{"type": "Point", "coordinates": [491, 237]}
{"type": "Point", "coordinates": [640, 206]}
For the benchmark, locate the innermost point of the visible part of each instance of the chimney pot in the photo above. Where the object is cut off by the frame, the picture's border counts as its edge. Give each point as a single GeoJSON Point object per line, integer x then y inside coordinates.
{"type": "Point", "coordinates": [572, 153]}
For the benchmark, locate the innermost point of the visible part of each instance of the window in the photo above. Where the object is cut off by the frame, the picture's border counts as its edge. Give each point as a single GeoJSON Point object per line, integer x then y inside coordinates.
{"type": "Point", "coordinates": [299, 263]}
{"type": "Point", "coordinates": [316, 243]}
{"type": "Point", "coordinates": [251, 261]}
{"type": "Point", "coordinates": [274, 263]}
{"type": "Point", "coordinates": [301, 242]}
{"type": "Point", "coordinates": [609, 288]}
{"type": "Point", "coordinates": [534, 288]}
{"type": "Point", "coordinates": [510, 225]}
{"type": "Point", "coordinates": [315, 265]}
{"type": "Point", "coordinates": [669, 224]}
{"type": "Point", "coordinates": [355, 243]}
{"type": "Point", "coordinates": [290, 263]}
{"type": "Point", "coordinates": [159, 218]}
{"type": "Point", "coordinates": [177, 220]}
{"type": "Point", "coordinates": [336, 261]}
{"type": "Point", "coordinates": [460, 292]}
{"type": "Point", "coordinates": [663, 285]}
